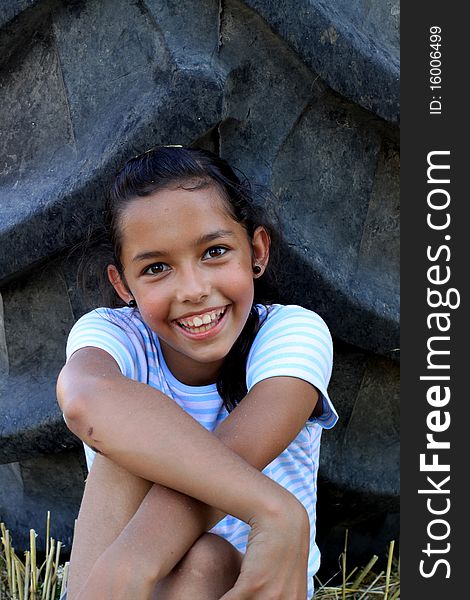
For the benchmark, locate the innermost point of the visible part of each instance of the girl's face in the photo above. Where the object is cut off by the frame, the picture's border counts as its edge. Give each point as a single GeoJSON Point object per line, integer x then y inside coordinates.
{"type": "Point", "coordinates": [189, 267]}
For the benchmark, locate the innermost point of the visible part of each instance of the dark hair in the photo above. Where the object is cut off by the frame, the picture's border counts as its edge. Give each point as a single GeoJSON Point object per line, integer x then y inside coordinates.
{"type": "Point", "coordinates": [194, 168]}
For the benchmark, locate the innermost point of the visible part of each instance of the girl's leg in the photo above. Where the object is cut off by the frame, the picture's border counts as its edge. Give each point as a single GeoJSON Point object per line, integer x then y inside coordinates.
{"type": "Point", "coordinates": [208, 570]}
{"type": "Point", "coordinates": [112, 496]}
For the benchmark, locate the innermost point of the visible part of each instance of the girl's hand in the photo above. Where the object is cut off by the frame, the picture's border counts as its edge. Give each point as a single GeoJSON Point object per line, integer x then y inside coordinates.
{"type": "Point", "coordinates": [276, 559]}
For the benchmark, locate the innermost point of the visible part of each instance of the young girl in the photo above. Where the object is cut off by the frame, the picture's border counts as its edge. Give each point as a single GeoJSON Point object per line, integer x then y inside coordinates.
{"type": "Point", "coordinates": [187, 392]}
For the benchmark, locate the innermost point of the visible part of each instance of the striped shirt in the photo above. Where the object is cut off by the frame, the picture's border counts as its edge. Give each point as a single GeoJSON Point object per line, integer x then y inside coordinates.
{"type": "Point", "coordinates": [292, 341]}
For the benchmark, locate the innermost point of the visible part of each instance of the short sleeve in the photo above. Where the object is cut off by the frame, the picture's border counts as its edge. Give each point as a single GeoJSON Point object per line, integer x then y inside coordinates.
{"type": "Point", "coordinates": [294, 342]}
{"type": "Point", "coordinates": [112, 332]}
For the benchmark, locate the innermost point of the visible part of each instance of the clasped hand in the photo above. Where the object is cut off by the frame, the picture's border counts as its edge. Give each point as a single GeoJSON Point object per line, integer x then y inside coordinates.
{"type": "Point", "coordinates": [276, 559]}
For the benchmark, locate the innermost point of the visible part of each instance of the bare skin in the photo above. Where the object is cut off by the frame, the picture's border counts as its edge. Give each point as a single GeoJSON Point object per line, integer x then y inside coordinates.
{"type": "Point", "coordinates": [208, 570]}
{"type": "Point", "coordinates": [108, 533]}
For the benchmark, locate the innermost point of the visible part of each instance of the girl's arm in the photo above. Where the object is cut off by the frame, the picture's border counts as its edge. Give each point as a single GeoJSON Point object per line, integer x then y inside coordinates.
{"type": "Point", "coordinates": [144, 423]}
{"type": "Point", "coordinates": [258, 433]}
{"type": "Point", "coordinates": [148, 434]}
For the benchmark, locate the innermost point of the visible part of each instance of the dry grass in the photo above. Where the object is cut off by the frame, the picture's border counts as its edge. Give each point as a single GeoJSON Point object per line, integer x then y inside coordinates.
{"type": "Point", "coordinates": [365, 583]}
{"type": "Point", "coordinates": [26, 580]}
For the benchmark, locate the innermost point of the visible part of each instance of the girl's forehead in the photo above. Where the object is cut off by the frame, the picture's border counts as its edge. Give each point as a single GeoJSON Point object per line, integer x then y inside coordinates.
{"type": "Point", "coordinates": [175, 218]}
{"type": "Point", "coordinates": [175, 202]}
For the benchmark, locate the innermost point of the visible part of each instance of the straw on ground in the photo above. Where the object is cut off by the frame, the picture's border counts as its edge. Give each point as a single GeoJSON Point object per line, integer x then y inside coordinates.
{"type": "Point", "coordinates": [24, 579]}
{"type": "Point", "coordinates": [367, 584]}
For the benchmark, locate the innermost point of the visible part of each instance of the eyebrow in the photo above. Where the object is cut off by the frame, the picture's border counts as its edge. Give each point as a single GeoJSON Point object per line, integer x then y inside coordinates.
{"type": "Point", "coordinates": [203, 239]}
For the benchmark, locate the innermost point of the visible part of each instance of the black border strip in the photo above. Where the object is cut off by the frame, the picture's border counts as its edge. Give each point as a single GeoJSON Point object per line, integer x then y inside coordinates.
{"type": "Point", "coordinates": [435, 228]}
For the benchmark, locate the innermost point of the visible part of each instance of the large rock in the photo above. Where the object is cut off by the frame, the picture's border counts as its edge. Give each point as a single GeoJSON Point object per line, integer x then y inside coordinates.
{"type": "Point", "coordinates": [303, 98]}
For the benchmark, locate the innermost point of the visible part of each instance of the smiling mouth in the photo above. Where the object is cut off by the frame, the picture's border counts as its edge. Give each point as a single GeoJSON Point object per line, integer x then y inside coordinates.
{"type": "Point", "coordinates": [203, 322]}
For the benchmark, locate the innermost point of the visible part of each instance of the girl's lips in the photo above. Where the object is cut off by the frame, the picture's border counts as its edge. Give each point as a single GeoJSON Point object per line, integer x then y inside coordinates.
{"type": "Point", "coordinates": [214, 330]}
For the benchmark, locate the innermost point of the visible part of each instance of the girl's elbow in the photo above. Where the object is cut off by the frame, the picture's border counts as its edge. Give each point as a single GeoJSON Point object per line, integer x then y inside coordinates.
{"type": "Point", "coordinates": [72, 401]}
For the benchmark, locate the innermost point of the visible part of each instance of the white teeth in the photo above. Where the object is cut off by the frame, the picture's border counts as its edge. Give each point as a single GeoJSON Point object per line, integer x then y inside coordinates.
{"type": "Point", "coordinates": [202, 322]}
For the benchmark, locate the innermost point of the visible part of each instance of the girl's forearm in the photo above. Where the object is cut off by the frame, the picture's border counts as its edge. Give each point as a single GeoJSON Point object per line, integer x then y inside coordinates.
{"type": "Point", "coordinates": [156, 440]}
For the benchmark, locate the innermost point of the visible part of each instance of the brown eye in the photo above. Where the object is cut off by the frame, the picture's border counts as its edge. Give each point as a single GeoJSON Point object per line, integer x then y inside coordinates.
{"type": "Point", "coordinates": [156, 269]}
{"type": "Point", "coordinates": [215, 252]}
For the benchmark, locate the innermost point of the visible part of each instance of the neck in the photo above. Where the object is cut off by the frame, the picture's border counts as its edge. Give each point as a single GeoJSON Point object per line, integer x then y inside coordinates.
{"type": "Point", "coordinates": [188, 372]}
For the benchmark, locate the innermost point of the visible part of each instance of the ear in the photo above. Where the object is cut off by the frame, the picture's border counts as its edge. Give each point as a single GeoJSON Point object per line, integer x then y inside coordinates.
{"type": "Point", "coordinates": [261, 243]}
{"type": "Point", "coordinates": [119, 283]}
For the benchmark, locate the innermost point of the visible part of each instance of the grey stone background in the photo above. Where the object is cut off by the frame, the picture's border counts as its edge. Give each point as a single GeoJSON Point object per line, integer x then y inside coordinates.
{"type": "Point", "coordinates": [301, 96]}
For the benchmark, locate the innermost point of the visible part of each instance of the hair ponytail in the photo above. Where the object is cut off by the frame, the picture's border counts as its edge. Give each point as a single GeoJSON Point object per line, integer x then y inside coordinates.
{"type": "Point", "coordinates": [231, 382]}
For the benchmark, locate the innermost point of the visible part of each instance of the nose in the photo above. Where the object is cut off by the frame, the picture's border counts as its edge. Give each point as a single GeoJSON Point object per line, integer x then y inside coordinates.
{"type": "Point", "coordinates": [193, 286]}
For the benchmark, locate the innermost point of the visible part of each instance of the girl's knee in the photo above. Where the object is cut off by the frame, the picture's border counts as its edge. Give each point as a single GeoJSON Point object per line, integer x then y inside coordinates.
{"type": "Point", "coordinates": [208, 570]}
{"type": "Point", "coordinates": [210, 556]}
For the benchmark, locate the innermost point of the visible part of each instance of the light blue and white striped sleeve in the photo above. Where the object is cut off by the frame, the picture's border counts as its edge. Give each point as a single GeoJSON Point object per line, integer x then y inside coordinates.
{"type": "Point", "coordinates": [106, 329]}
{"type": "Point", "coordinates": [294, 342]}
